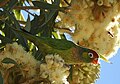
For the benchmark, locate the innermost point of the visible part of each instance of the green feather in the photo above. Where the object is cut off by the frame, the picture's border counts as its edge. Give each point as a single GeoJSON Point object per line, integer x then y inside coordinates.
{"type": "Point", "coordinates": [71, 53]}
{"type": "Point", "coordinates": [63, 44]}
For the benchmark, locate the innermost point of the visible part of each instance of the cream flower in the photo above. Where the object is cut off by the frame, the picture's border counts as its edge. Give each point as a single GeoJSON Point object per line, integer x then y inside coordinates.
{"type": "Point", "coordinates": [23, 58]}
{"type": "Point", "coordinates": [54, 69]}
{"type": "Point", "coordinates": [85, 73]}
{"type": "Point", "coordinates": [96, 24]}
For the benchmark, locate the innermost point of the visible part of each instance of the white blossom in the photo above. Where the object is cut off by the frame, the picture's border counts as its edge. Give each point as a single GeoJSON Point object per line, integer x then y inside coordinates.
{"type": "Point", "coordinates": [96, 25]}
{"type": "Point", "coordinates": [54, 69]}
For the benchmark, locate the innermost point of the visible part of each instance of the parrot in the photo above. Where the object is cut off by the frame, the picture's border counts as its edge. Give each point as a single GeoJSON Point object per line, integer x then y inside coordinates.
{"type": "Point", "coordinates": [70, 52]}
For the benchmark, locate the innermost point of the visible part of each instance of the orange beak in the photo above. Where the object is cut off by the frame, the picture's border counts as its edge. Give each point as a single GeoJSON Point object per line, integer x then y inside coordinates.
{"type": "Point", "coordinates": [95, 61]}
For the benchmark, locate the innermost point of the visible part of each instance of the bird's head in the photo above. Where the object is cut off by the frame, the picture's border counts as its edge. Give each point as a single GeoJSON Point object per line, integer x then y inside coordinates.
{"type": "Point", "coordinates": [90, 56]}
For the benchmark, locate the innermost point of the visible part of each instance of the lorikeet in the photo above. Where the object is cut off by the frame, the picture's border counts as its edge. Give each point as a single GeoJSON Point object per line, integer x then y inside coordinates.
{"type": "Point", "coordinates": [70, 52]}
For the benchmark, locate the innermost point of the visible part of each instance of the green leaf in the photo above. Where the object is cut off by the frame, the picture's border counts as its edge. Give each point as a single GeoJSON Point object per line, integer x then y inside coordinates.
{"type": "Point", "coordinates": [36, 23]}
{"type": "Point", "coordinates": [11, 4]}
{"type": "Point", "coordinates": [44, 5]}
{"type": "Point", "coordinates": [28, 24]}
{"type": "Point", "coordinates": [57, 2]}
{"type": "Point", "coordinates": [38, 54]}
{"type": "Point", "coordinates": [1, 79]}
{"type": "Point", "coordinates": [5, 39]}
{"type": "Point", "coordinates": [21, 39]}
{"type": "Point", "coordinates": [8, 61]}
{"type": "Point", "coordinates": [18, 15]}
{"type": "Point", "coordinates": [105, 59]}
{"type": "Point", "coordinates": [47, 26]}
{"type": "Point", "coordinates": [12, 18]}
{"type": "Point", "coordinates": [55, 35]}
{"type": "Point", "coordinates": [71, 73]}
{"type": "Point", "coordinates": [7, 30]}
{"type": "Point", "coordinates": [49, 17]}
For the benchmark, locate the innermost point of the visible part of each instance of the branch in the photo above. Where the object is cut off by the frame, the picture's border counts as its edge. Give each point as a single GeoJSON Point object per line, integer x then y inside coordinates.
{"type": "Point", "coordinates": [25, 7]}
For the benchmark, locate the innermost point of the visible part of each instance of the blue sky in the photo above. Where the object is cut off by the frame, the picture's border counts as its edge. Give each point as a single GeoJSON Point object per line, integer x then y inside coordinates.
{"type": "Point", "coordinates": [110, 73]}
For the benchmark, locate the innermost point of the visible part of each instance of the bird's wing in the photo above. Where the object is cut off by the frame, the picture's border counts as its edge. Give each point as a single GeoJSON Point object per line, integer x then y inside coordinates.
{"type": "Point", "coordinates": [60, 44]}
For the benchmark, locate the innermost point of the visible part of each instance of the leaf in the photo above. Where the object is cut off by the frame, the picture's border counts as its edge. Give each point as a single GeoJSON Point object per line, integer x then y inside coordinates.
{"type": "Point", "coordinates": [18, 15]}
{"type": "Point", "coordinates": [70, 78]}
{"type": "Point", "coordinates": [57, 2]}
{"type": "Point", "coordinates": [10, 4]}
{"type": "Point", "coordinates": [49, 17]}
{"type": "Point", "coordinates": [5, 39]}
{"type": "Point", "coordinates": [8, 60]}
{"type": "Point", "coordinates": [21, 39]}
{"type": "Point", "coordinates": [50, 14]}
{"type": "Point", "coordinates": [105, 59]}
{"type": "Point", "coordinates": [7, 30]}
{"type": "Point", "coordinates": [44, 5]}
{"type": "Point", "coordinates": [37, 54]}
{"type": "Point", "coordinates": [47, 26]}
{"type": "Point", "coordinates": [1, 79]}
{"type": "Point", "coordinates": [28, 24]}
{"type": "Point", "coordinates": [12, 18]}
{"type": "Point", "coordinates": [55, 35]}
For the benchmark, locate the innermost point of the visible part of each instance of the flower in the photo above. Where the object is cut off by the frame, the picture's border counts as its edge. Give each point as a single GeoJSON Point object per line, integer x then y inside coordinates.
{"type": "Point", "coordinates": [51, 70]}
{"type": "Point", "coordinates": [54, 69]}
{"type": "Point", "coordinates": [85, 73]}
{"type": "Point", "coordinates": [24, 59]}
{"type": "Point", "coordinates": [96, 24]}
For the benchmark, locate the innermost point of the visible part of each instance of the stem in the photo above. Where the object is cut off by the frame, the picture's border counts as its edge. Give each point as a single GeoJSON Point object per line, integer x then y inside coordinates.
{"type": "Point", "coordinates": [3, 3]}
{"type": "Point", "coordinates": [25, 7]}
{"type": "Point", "coordinates": [29, 13]}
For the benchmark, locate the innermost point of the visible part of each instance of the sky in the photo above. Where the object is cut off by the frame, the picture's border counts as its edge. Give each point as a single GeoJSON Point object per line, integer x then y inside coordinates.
{"type": "Point", "coordinates": [110, 73]}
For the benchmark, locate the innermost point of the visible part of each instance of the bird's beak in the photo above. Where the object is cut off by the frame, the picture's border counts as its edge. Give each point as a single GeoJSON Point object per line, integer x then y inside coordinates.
{"type": "Point", "coordinates": [95, 61]}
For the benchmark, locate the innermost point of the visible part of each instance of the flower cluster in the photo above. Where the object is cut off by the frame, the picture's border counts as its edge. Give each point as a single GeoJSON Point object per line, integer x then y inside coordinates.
{"type": "Point", "coordinates": [54, 69]}
{"type": "Point", "coordinates": [85, 73]}
{"type": "Point", "coordinates": [21, 57]}
{"type": "Point", "coordinates": [51, 70]}
{"type": "Point", "coordinates": [96, 24]}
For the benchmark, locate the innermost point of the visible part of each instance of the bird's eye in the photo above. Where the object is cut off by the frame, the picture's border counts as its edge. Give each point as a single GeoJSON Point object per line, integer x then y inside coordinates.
{"type": "Point", "coordinates": [91, 55]}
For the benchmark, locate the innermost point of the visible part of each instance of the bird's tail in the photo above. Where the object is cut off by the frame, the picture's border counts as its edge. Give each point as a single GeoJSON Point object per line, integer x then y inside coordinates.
{"type": "Point", "coordinates": [36, 40]}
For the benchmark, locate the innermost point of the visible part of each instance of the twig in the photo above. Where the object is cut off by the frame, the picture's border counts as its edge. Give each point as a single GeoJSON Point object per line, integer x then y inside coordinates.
{"type": "Point", "coordinates": [25, 7]}
{"type": "Point", "coordinates": [29, 13]}
{"type": "Point", "coordinates": [3, 3]}
{"type": "Point", "coordinates": [21, 22]}
{"type": "Point", "coordinates": [67, 30]}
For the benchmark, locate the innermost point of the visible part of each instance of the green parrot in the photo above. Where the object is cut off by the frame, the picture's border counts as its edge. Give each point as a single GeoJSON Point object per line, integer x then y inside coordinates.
{"type": "Point", "coordinates": [70, 52]}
